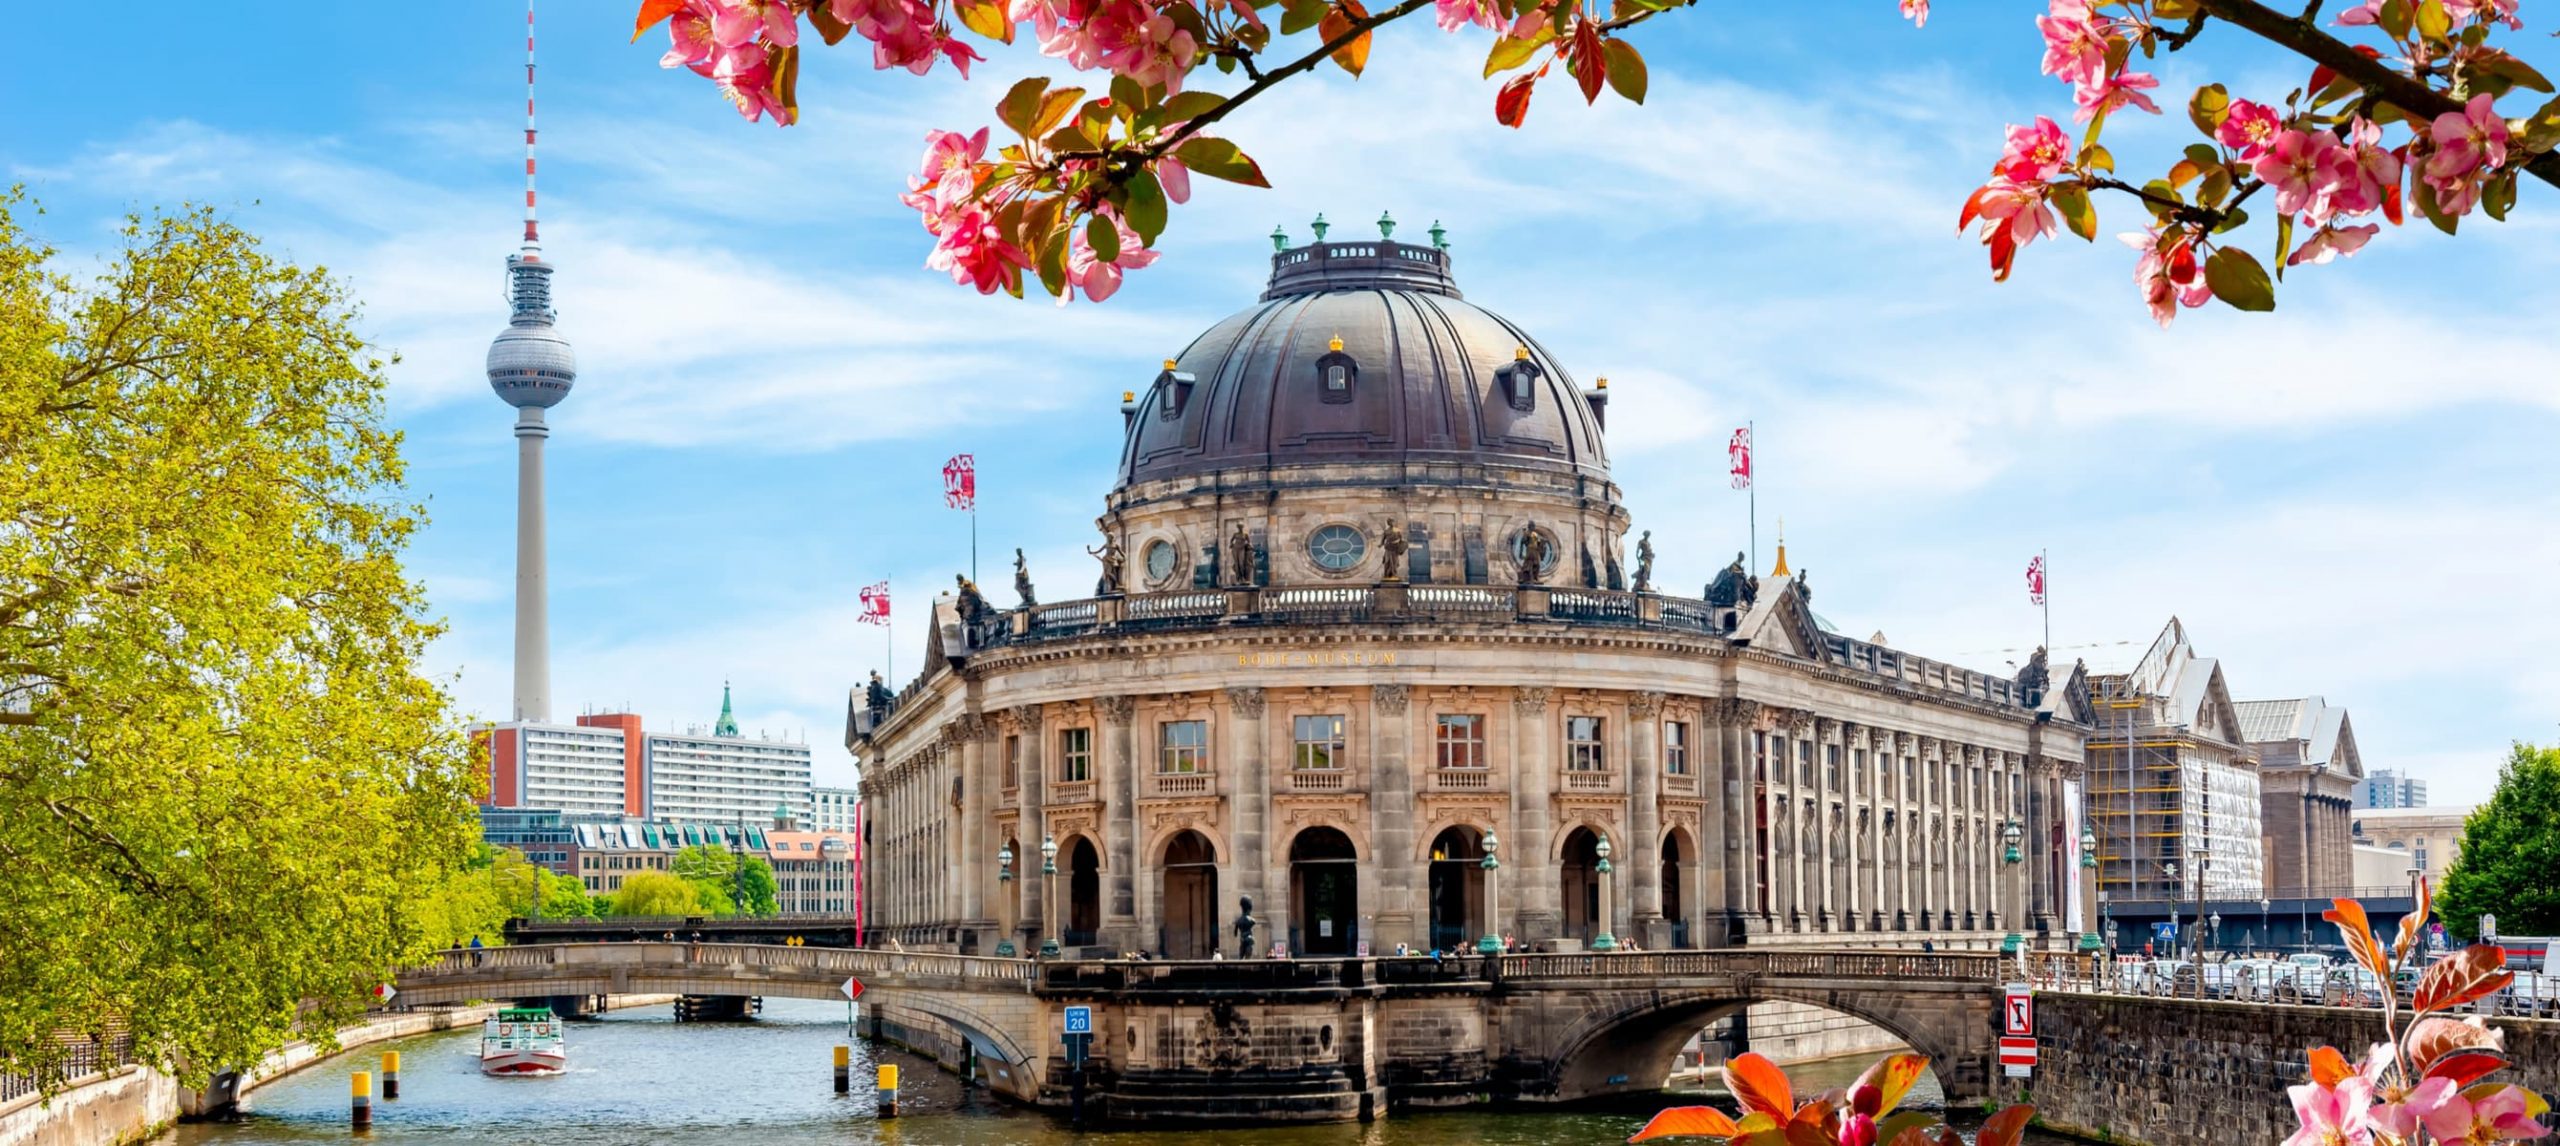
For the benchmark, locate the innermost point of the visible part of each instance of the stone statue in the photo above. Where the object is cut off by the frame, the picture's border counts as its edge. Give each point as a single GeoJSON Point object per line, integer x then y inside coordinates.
{"type": "Point", "coordinates": [1239, 559]}
{"type": "Point", "coordinates": [2033, 678]}
{"type": "Point", "coordinates": [1244, 927]}
{"type": "Point", "coordinates": [878, 697]}
{"type": "Point", "coordinates": [1022, 580]}
{"type": "Point", "coordinates": [1112, 558]}
{"type": "Point", "coordinates": [1644, 562]}
{"type": "Point", "coordinates": [972, 605]}
{"type": "Point", "coordinates": [1534, 554]}
{"type": "Point", "coordinates": [1391, 549]}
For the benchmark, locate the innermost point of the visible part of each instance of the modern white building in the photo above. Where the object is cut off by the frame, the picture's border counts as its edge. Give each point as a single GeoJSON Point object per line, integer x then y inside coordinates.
{"type": "Point", "coordinates": [579, 769]}
{"type": "Point", "coordinates": [2391, 788]}
{"type": "Point", "coordinates": [835, 808]}
{"type": "Point", "coordinates": [724, 777]}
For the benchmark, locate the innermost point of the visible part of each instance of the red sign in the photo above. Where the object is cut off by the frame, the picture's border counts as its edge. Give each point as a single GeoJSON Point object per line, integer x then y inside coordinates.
{"type": "Point", "coordinates": [2018, 1012]}
{"type": "Point", "coordinates": [2017, 1052]}
{"type": "Point", "coordinates": [851, 987]}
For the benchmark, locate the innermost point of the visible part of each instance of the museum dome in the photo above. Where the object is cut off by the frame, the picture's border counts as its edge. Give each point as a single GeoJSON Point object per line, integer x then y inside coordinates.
{"type": "Point", "coordinates": [1360, 353]}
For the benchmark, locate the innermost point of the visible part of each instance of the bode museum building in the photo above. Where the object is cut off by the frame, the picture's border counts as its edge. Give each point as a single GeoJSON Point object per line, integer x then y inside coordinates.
{"type": "Point", "coordinates": [1369, 650]}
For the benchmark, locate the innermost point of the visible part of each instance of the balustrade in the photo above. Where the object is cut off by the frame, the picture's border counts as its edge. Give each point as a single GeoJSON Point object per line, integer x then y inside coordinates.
{"type": "Point", "coordinates": [1183, 784]}
{"type": "Point", "coordinates": [1319, 780]}
{"type": "Point", "coordinates": [1462, 779]}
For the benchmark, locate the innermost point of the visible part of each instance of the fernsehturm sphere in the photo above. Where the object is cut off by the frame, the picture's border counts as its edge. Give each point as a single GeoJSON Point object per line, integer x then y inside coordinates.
{"type": "Point", "coordinates": [531, 367]}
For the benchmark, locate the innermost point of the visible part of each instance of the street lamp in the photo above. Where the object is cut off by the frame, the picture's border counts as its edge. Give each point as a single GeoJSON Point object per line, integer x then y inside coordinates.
{"type": "Point", "coordinates": [1603, 941]}
{"type": "Point", "coordinates": [2010, 837]}
{"type": "Point", "coordinates": [2264, 923]}
{"type": "Point", "coordinates": [1004, 880]}
{"type": "Point", "coordinates": [1491, 944]}
{"type": "Point", "coordinates": [2088, 844]}
{"type": "Point", "coordinates": [1048, 896]}
{"type": "Point", "coordinates": [2215, 926]}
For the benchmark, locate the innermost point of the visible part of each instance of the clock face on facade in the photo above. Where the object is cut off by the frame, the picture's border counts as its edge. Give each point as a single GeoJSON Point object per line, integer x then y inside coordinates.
{"type": "Point", "coordinates": [1336, 548]}
{"type": "Point", "coordinates": [1159, 560]}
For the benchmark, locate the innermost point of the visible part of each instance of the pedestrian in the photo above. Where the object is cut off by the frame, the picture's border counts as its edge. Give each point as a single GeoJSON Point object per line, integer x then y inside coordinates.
{"type": "Point", "coordinates": [475, 950]}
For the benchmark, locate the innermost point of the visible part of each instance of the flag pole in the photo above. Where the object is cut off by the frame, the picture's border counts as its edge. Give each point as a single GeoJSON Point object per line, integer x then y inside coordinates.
{"type": "Point", "coordinates": [1751, 435]}
{"type": "Point", "coordinates": [2045, 556]}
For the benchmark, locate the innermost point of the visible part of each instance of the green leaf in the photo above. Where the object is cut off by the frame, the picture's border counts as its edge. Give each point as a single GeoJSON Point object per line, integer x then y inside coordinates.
{"type": "Point", "coordinates": [2071, 200]}
{"type": "Point", "coordinates": [2394, 18]}
{"type": "Point", "coordinates": [2498, 195]}
{"type": "Point", "coordinates": [2284, 242]}
{"type": "Point", "coordinates": [1020, 107]}
{"type": "Point", "coordinates": [2232, 220]}
{"type": "Point", "coordinates": [1219, 159]}
{"type": "Point", "coordinates": [2433, 21]}
{"type": "Point", "coordinates": [2541, 130]}
{"type": "Point", "coordinates": [1299, 15]}
{"type": "Point", "coordinates": [1072, 137]}
{"type": "Point", "coordinates": [2211, 105]}
{"type": "Point", "coordinates": [1053, 110]}
{"type": "Point", "coordinates": [2423, 195]}
{"type": "Point", "coordinates": [1626, 70]}
{"type": "Point", "coordinates": [1103, 237]}
{"type": "Point", "coordinates": [1053, 262]}
{"type": "Point", "coordinates": [1128, 96]}
{"type": "Point", "coordinates": [991, 20]}
{"type": "Point", "coordinates": [2216, 186]}
{"type": "Point", "coordinates": [1188, 106]}
{"type": "Point", "coordinates": [1510, 52]}
{"type": "Point", "coordinates": [1146, 208]}
{"type": "Point", "coordinates": [2236, 278]}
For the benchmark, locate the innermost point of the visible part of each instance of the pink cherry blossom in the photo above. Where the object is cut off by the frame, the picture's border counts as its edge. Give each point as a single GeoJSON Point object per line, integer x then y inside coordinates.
{"type": "Point", "coordinates": [1916, 11]}
{"type": "Point", "coordinates": [2303, 168]}
{"type": "Point", "coordinates": [2498, 1116]}
{"type": "Point", "coordinates": [689, 41]}
{"type": "Point", "coordinates": [1138, 41]}
{"type": "Point", "coordinates": [2169, 273]}
{"type": "Point", "coordinates": [2500, 11]}
{"type": "Point", "coordinates": [1456, 14]}
{"type": "Point", "coordinates": [735, 23]}
{"type": "Point", "coordinates": [745, 78]}
{"type": "Point", "coordinates": [2373, 173]}
{"type": "Point", "coordinates": [2013, 215]}
{"type": "Point", "coordinates": [2472, 138]}
{"type": "Point", "coordinates": [2362, 15]}
{"type": "Point", "coordinates": [1097, 279]}
{"type": "Point", "coordinates": [2035, 153]}
{"type": "Point", "coordinates": [975, 252]}
{"type": "Point", "coordinates": [2249, 128]}
{"type": "Point", "coordinates": [2075, 42]}
{"type": "Point", "coordinates": [1175, 179]}
{"type": "Point", "coordinates": [2328, 243]}
{"type": "Point", "coordinates": [2332, 1116]}
{"type": "Point", "coordinates": [2402, 1119]}
{"type": "Point", "coordinates": [2114, 92]}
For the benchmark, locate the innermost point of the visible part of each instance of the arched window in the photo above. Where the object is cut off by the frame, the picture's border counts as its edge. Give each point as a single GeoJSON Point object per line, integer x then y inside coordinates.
{"type": "Point", "coordinates": [1337, 374]}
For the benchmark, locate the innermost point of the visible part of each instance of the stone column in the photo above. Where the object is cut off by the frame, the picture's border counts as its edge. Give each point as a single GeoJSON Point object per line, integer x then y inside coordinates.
{"type": "Point", "coordinates": [1969, 758]}
{"type": "Point", "coordinates": [1034, 785]}
{"type": "Point", "coordinates": [1529, 854]}
{"type": "Point", "coordinates": [1246, 781]}
{"type": "Point", "coordinates": [1642, 849]}
{"type": "Point", "coordinates": [1117, 777]}
{"type": "Point", "coordinates": [1728, 855]}
{"type": "Point", "coordinates": [1804, 911]}
{"type": "Point", "coordinates": [1391, 811]}
{"type": "Point", "coordinates": [975, 864]}
{"type": "Point", "coordinates": [1877, 762]}
{"type": "Point", "coordinates": [2044, 807]}
{"type": "Point", "coordinates": [1824, 869]}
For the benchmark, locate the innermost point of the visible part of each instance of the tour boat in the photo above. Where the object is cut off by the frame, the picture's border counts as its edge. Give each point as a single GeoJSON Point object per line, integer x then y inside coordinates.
{"type": "Point", "coordinates": [523, 1040]}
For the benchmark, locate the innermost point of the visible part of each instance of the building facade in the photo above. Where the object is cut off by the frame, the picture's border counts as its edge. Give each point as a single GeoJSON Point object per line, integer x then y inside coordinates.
{"type": "Point", "coordinates": [2391, 788]}
{"type": "Point", "coordinates": [544, 835]}
{"type": "Point", "coordinates": [836, 808]}
{"type": "Point", "coordinates": [608, 765]}
{"type": "Point", "coordinates": [2308, 772]}
{"type": "Point", "coordinates": [812, 871]}
{"type": "Point", "coordinates": [2430, 837]}
{"type": "Point", "coordinates": [590, 768]}
{"type": "Point", "coordinates": [1367, 651]}
{"type": "Point", "coordinates": [2177, 795]}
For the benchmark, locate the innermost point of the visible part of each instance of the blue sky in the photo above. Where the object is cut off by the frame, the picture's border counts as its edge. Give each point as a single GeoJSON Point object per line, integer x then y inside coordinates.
{"type": "Point", "coordinates": [2355, 496]}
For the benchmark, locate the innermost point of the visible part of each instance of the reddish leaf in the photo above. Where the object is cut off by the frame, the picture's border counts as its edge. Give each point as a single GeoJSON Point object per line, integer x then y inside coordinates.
{"type": "Point", "coordinates": [1894, 1128]}
{"type": "Point", "coordinates": [2006, 1127]}
{"type": "Point", "coordinates": [1338, 21]}
{"type": "Point", "coordinates": [1511, 104]}
{"type": "Point", "coordinates": [1759, 1086]}
{"type": "Point", "coordinates": [2469, 974]}
{"type": "Point", "coordinates": [2436, 1036]}
{"type": "Point", "coordinates": [1688, 1122]}
{"type": "Point", "coordinates": [2358, 931]}
{"type": "Point", "coordinates": [1814, 1112]}
{"type": "Point", "coordinates": [1590, 62]}
{"type": "Point", "coordinates": [651, 12]}
{"type": "Point", "coordinates": [2328, 1067]}
{"type": "Point", "coordinates": [1891, 1077]}
{"type": "Point", "coordinates": [2415, 920]}
{"type": "Point", "coordinates": [1809, 1134]}
{"type": "Point", "coordinates": [2465, 1067]}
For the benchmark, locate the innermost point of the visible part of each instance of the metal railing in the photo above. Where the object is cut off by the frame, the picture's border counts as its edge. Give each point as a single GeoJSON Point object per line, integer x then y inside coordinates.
{"type": "Point", "coordinates": [83, 1058]}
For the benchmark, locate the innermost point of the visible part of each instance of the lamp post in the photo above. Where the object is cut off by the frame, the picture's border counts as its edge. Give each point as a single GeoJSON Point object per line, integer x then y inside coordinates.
{"type": "Point", "coordinates": [1048, 896]}
{"type": "Point", "coordinates": [1004, 892]}
{"type": "Point", "coordinates": [1491, 944]}
{"type": "Point", "coordinates": [2265, 924]}
{"type": "Point", "coordinates": [1603, 941]}
{"type": "Point", "coordinates": [2214, 924]}
{"type": "Point", "coordinates": [2088, 862]}
{"type": "Point", "coordinates": [2010, 854]}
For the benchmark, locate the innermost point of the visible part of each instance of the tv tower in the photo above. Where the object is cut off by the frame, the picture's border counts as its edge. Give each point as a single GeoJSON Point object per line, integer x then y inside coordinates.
{"type": "Point", "coordinates": [531, 367]}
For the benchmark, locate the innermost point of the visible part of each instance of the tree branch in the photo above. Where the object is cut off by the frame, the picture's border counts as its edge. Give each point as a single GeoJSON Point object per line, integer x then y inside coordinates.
{"type": "Point", "coordinates": [2307, 40]}
{"type": "Point", "coordinates": [1359, 28]}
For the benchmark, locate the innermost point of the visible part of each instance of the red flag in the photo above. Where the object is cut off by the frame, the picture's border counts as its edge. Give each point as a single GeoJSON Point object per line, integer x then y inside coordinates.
{"type": "Point", "coordinates": [960, 481]}
{"type": "Point", "coordinates": [2035, 580]}
{"type": "Point", "coordinates": [1739, 451]}
{"type": "Point", "coordinates": [875, 604]}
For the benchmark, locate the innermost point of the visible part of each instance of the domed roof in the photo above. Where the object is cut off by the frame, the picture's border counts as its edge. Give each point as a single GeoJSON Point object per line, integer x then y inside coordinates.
{"type": "Point", "coordinates": [1361, 352]}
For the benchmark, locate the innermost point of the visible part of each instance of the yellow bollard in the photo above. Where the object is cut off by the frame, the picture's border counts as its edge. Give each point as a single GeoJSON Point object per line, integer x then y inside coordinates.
{"type": "Point", "coordinates": [888, 1089]}
{"type": "Point", "coordinates": [361, 1085]}
{"type": "Point", "coordinates": [844, 1069]}
{"type": "Point", "coordinates": [390, 1074]}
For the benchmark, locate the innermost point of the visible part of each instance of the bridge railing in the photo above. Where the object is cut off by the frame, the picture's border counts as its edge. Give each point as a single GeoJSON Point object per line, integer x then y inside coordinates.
{"type": "Point", "coordinates": [569, 959]}
{"type": "Point", "coordinates": [1974, 967]}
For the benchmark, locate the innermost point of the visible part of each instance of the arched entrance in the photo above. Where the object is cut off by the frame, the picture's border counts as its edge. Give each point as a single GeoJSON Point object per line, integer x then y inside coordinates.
{"type": "Point", "coordinates": [1084, 893]}
{"type": "Point", "coordinates": [1580, 874]}
{"type": "Point", "coordinates": [1675, 888]}
{"type": "Point", "coordinates": [1188, 897]}
{"type": "Point", "coordinates": [1324, 893]}
{"type": "Point", "coordinates": [1457, 889]}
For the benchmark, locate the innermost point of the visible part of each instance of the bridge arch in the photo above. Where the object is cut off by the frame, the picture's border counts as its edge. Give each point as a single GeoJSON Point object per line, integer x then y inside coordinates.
{"type": "Point", "coordinates": [1624, 1041]}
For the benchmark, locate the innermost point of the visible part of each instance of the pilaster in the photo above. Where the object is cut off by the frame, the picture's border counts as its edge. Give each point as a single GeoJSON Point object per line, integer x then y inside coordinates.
{"type": "Point", "coordinates": [1534, 890]}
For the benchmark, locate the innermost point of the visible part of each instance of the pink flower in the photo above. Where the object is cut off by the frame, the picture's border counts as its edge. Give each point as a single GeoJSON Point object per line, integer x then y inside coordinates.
{"type": "Point", "coordinates": [2362, 15]}
{"type": "Point", "coordinates": [2372, 178]}
{"type": "Point", "coordinates": [689, 42]}
{"type": "Point", "coordinates": [2013, 215]}
{"type": "Point", "coordinates": [2075, 42]}
{"type": "Point", "coordinates": [738, 22]}
{"type": "Point", "coordinates": [1916, 11]}
{"type": "Point", "coordinates": [2332, 1116]}
{"type": "Point", "coordinates": [1175, 179]}
{"type": "Point", "coordinates": [2468, 139]}
{"type": "Point", "coordinates": [2501, 11]}
{"type": "Point", "coordinates": [2115, 92]}
{"type": "Point", "coordinates": [1097, 279]}
{"type": "Point", "coordinates": [1456, 14]}
{"type": "Point", "coordinates": [2035, 153]}
{"type": "Point", "coordinates": [975, 252]}
{"type": "Point", "coordinates": [2249, 128]}
{"type": "Point", "coordinates": [2169, 273]}
{"type": "Point", "coordinates": [2325, 244]}
{"type": "Point", "coordinates": [2498, 1116]}
{"type": "Point", "coordinates": [745, 78]}
{"type": "Point", "coordinates": [2401, 1119]}
{"type": "Point", "coordinates": [1858, 1130]}
{"type": "Point", "coordinates": [2303, 167]}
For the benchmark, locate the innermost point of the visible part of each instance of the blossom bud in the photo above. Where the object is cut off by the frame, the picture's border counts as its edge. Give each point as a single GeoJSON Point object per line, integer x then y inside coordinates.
{"type": "Point", "coordinates": [1858, 1130]}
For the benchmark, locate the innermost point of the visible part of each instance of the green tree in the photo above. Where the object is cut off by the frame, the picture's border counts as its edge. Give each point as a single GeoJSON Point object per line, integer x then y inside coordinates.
{"type": "Point", "coordinates": [655, 893]}
{"type": "Point", "coordinates": [723, 877]}
{"type": "Point", "coordinates": [763, 893]}
{"type": "Point", "coordinates": [222, 775]}
{"type": "Point", "coordinates": [2510, 850]}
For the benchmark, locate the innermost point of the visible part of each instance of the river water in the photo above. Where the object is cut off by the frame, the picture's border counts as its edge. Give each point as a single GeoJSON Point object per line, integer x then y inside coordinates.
{"type": "Point", "coordinates": [638, 1077]}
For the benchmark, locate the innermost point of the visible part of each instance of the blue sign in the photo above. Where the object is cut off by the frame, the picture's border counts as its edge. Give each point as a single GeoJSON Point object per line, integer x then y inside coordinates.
{"type": "Point", "coordinates": [2165, 932]}
{"type": "Point", "coordinates": [1079, 1020]}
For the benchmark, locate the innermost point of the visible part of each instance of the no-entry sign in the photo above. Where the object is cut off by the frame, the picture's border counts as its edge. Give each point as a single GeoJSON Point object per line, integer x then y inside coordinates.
{"type": "Point", "coordinates": [2018, 1012]}
{"type": "Point", "coordinates": [2017, 1056]}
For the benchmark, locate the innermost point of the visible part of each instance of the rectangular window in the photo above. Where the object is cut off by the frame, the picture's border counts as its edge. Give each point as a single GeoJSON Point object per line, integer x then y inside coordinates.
{"type": "Point", "coordinates": [1582, 745]}
{"type": "Point", "coordinates": [1858, 771]}
{"type": "Point", "coordinates": [1461, 741]}
{"type": "Point", "coordinates": [1760, 755]}
{"type": "Point", "coordinates": [1804, 764]}
{"type": "Point", "coordinates": [1831, 766]}
{"type": "Point", "coordinates": [1319, 742]}
{"type": "Point", "coordinates": [1012, 761]}
{"type": "Point", "coordinates": [1075, 755]}
{"type": "Point", "coordinates": [1675, 748]}
{"type": "Point", "coordinates": [1182, 747]}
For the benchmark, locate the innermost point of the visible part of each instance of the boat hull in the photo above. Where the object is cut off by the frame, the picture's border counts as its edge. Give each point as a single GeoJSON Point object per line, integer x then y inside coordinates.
{"type": "Point", "coordinates": [524, 1062]}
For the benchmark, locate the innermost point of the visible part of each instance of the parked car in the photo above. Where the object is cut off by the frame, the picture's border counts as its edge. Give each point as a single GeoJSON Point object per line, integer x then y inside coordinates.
{"type": "Point", "coordinates": [2534, 993]}
{"type": "Point", "coordinates": [2351, 987]}
{"type": "Point", "coordinates": [2256, 980]}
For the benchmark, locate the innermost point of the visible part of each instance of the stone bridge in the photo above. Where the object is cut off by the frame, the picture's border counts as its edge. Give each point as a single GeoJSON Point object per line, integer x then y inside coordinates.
{"type": "Point", "coordinates": [1305, 1040]}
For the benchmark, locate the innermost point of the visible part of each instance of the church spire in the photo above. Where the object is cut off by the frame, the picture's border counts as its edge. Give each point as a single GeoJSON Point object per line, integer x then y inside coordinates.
{"type": "Point", "coordinates": [728, 725]}
{"type": "Point", "coordinates": [1782, 570]}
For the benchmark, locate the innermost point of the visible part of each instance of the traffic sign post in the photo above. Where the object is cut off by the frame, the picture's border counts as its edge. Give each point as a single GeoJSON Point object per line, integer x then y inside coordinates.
{"type": "Point", "coordinates": [2017, 1030]}
{"type": "Point", "coordinates": [2017, 1057]}
{"type": "Point", "coordinates": [851, 989]}
{"type": "Point", "coordinates": [1077, 1034]}
{"type": "Point", "coordinates": [1079, 1020]}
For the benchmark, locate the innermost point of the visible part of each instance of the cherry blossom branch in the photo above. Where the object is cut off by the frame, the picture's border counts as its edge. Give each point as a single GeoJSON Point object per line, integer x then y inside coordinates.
{"type": "Point", "coordinates": [1268, 80]}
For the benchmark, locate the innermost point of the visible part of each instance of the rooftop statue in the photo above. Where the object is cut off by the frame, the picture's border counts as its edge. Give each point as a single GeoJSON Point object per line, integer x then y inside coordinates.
{"type": "Point", "coordinates": [1022, 580]}
{"type": "Point", "coordinates": [1391, 550]}
{"type": "Point", "coordinates": [1112, 557]}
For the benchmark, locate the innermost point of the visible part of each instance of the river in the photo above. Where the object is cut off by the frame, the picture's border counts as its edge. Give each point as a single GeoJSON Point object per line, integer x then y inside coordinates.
{"type": "Point", "coordinates": [638, 1077]}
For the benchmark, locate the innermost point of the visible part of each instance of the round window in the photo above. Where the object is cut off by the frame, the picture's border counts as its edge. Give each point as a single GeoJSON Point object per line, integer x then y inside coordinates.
{"type": "Point", "coordinates": [1520, 551]}
{"type": "Point", "coordinates": [1159, 560]}
{"type": "Point", "coordinates": [1336, 548]}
